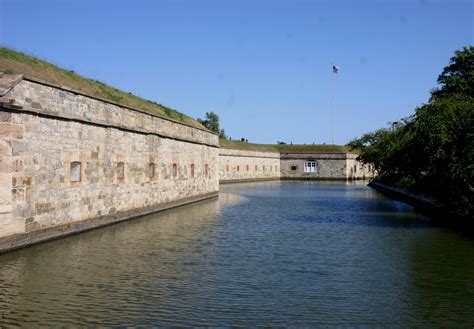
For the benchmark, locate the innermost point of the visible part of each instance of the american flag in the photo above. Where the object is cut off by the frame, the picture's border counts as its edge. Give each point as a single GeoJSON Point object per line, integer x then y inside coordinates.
{"type": "Point", "coordinates": [335, 69]}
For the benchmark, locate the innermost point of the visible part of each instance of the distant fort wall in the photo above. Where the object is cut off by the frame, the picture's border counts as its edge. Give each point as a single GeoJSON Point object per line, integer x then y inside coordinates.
{"type": "Point", "coordinates": [243, 165]}
{"type": "Point", "coordinates": [323, 166]}
{"type": "Point", "coordinates": [70, 162]}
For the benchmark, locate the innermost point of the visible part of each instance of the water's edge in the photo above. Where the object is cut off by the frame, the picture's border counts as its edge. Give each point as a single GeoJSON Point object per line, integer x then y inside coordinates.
{"type": "Point", "coordinates": [24, 240]}
{"type": "Point", "coordinates": [427, 205]}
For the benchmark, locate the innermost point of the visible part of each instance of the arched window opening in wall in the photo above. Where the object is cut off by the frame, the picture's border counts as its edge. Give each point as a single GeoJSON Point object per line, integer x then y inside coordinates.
{"type": "Point", "coordinates": [263, 168]}
{"type": "Point", "coordinates": [238, 168]}
{"type": "Point", "coordinates": [248, 167]}
{"type": "Point", "coordinates": [256, 168]}
{"type": "Point", "coordinates": [271, 168]}
{"type": "Point", "coordinates": [311, 166]}
{"type": "Point", "coordinates": [175, 170]}
{"type": "Point", "coordinates": [355, 169]}
{"type": "Point", "coordinates": [206, 170]}
{"type": "Point", "coordinates": [75, 171]}
{"type": "Point", "coordinates": [151, 170]}
{"type": "Point", "coordinates": [192, 170]}
{"type": "Point", "coordinates": [120, 170]}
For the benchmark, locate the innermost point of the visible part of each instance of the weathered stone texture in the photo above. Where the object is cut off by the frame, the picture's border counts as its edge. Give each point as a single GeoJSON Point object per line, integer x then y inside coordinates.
{"type": "Point", "coordinates": [10, 134]}
{"type": "Point", "coordinates": [44, 195]}
{"type": "Point", "coordinates": [357, 170]}
{"type": "Point", "coordinates": [238, 165]}
{"type": "Point", "coordinates": [328, 166]}
{"type": "Point", "coordinates": [37, 149]}
{"type": "Point", "coordinates": [68, 104]}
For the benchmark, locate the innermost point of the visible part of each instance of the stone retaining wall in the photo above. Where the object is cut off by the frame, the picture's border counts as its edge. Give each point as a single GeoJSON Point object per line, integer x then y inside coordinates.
{"type": "Point", "coordinates": [327, 166]}
{"type": "Point", "coordinates": [67, 159]}
{"type": "Point", "coordinates": [243, 165]}
{"type": "Point", "coordinates": [239, 165]}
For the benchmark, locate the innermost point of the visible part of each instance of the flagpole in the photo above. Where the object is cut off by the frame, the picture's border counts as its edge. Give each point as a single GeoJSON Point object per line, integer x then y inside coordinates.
{"type": "Point", "coordinates": [333, 87]}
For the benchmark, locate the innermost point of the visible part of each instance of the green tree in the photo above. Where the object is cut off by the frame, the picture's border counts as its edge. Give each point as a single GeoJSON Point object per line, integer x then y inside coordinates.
{"type": "Point", "coordinates": [433, 150]}
{"type": "Point", "coordinates": [458, 77]}
{"type": "Point", "coordinates": [446, 128]}
{"type": "Point", "coordinates": [211, 122]}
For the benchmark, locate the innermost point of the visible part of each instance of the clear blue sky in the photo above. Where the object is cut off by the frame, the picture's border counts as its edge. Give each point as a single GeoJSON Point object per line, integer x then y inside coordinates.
{"type": "Point", "coordinates": [263, 66]}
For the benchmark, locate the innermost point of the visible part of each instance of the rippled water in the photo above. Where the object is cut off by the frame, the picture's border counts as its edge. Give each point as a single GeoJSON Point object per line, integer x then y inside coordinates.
{"type": "Point", "coordinates": [279, 254]}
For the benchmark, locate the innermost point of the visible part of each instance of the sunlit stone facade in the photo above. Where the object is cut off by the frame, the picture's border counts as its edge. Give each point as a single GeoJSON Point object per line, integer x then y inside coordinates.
{"type": "Point", "coordinates": [69, 162]}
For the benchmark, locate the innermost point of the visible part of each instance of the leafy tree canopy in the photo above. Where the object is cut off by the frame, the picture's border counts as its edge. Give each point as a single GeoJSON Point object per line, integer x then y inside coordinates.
{"type": "Point", "coordinates": [458, 77]}
{"type": "Point", "coordinates": [432, 151]}
{"type": "Point", "coordinates": [211, 122]}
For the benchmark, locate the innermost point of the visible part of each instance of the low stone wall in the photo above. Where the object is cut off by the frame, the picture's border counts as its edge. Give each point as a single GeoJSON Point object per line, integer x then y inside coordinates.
{"type": "Point", "coordinates": [428, 205]}
{"type": "Point", "coordinates": [239, 165]}
{"type": "Point", "coordinates": [66, 159]}
{"type": "Point", "coordinates": [424, 203]}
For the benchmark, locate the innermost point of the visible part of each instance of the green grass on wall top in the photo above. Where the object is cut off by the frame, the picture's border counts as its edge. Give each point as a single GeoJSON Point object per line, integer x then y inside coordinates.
{"type": "Point", "coordinates": [284, 148]}
{"type": "Point", "coordinates": [14, 62]}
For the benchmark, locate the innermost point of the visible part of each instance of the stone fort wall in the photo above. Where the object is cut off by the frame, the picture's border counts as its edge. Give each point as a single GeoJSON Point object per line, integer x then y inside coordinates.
{"type": "Point", "coordinates": [239, 165]}
{"type": "Point", "coordinates": [69, 162]}
{"type": "Point", "coordinates": [343, 166]}
{"type": "Point", "coordinates": [245, 165]}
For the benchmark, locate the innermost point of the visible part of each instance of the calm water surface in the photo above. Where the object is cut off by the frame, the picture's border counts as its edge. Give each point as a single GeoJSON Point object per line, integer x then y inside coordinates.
{"type": "Point", "coordinates": [278, 254]}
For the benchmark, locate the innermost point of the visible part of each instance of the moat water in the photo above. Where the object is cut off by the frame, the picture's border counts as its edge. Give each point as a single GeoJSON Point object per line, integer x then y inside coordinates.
{"type": "Point", "coordinates": [278, 254]}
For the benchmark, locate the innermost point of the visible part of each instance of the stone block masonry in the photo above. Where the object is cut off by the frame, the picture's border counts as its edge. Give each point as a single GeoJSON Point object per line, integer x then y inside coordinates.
{"type": "Point", "coordinates": [318, 165]}
{"type": "Point", "coordinates": [69, 162]}
{"type": "Point", "coordinates": [240, 166]}
{"type": "Point", "coordinates": [11, 136]}
{"type": "Point", "coordinates": [246, 165]}
{"type": "Point", "coordinates": [52, 101]}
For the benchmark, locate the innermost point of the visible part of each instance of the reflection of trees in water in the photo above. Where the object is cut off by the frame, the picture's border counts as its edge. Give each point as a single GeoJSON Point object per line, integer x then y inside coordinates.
{"type": "Point", "coordinates": [442, 279]}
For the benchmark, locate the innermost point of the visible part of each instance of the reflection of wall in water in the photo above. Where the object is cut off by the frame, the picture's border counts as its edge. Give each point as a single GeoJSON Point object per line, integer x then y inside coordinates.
{"type": "Point", "coordinates": [228, 199]}
{"type": "Point", "coordinates": [99, 266]}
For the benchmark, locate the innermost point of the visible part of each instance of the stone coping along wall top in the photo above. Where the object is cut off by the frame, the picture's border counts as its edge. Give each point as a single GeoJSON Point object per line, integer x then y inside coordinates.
{"type": "Point", "coordinates": [318, 155]}
{"type": "Point", "coordinates": [22, 94]}
{"type": "Point", "coordinates": [9, 81]}
{"type": "Point", "coordinates": [245, 153]}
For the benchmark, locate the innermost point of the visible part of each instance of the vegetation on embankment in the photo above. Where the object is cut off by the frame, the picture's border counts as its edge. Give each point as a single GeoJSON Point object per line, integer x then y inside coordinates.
{"type": "Point", "coordinates": [432, 151]}
{"type": "Point", "coordinates": [12, 61]}
{"type": "Point", "coordinates": [282, 148]}
{"type": "Point", "coordinates": [211, 122]}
